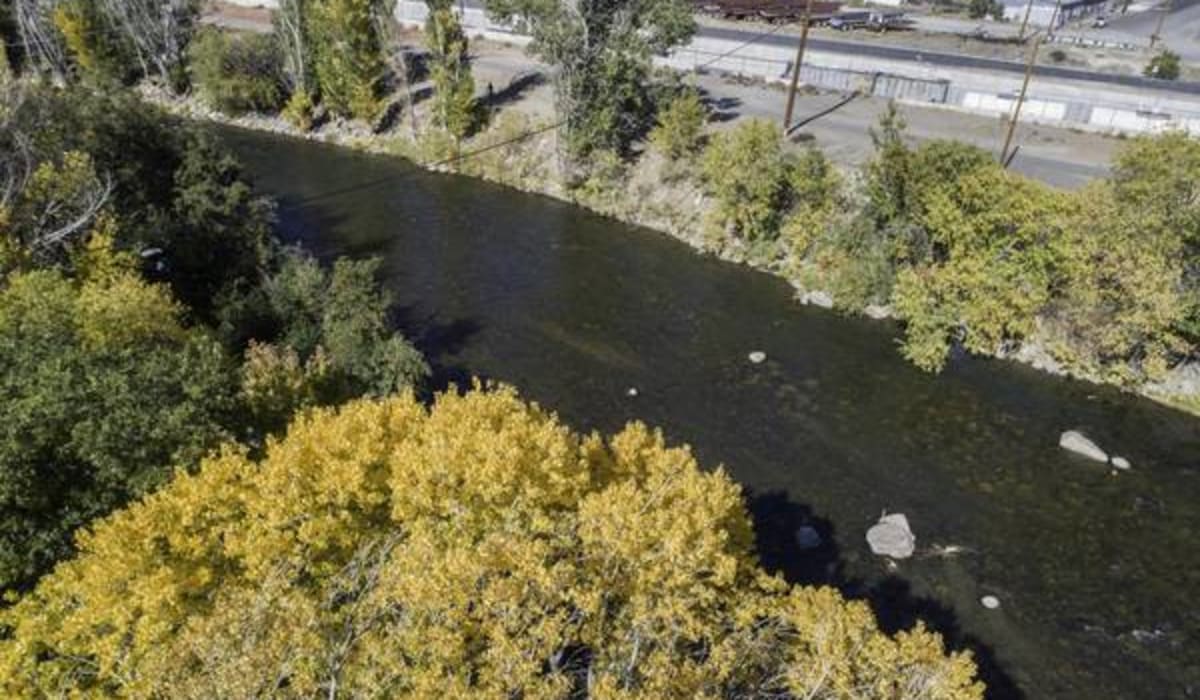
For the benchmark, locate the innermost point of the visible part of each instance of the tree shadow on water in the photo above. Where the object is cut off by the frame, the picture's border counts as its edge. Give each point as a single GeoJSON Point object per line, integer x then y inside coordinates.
{"type": "Point", "coordinates": [785, 548]}
{"type": "Point", "coordinates": [440, 342]}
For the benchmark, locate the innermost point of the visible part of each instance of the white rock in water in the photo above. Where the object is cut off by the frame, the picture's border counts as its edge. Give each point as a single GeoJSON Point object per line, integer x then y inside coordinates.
{"type": "Point", "coordinates": [807, 537]}
{"type": "Point", "coordinates": [891, 537]}
{"type": "Point", "coordinates": [821, 299]}
{"type": "Point", "coordinates": [877, 312]}
{"type": "Point", "coordinates": [631, 391]}
{"type": "Point", "coordinates": [1121, 463]}
{"type": "Point", "coordinates": [990, 602]}
{"type": "Point", "coordinates": [758, 357]}
{"type": "Point", "coordinates": [1078, 443]}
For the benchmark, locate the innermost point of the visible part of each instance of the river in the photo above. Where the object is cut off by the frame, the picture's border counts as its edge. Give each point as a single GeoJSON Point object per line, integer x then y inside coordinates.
{"type": "Point", "coordinates": [1098, 573]}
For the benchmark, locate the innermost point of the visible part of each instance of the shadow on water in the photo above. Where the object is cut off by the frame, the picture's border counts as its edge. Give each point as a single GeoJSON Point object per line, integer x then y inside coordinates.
{"type": "Point", "coordinates": [440, 342]}
{"type": "Point", "coordinates": [778, 523]}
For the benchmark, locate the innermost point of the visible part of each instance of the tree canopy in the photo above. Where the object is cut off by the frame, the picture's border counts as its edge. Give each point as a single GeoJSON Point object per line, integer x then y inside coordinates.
{"type": "Point", "coordinates": [475, 548]}
{"type": "Point", "coordinates": [103, 386]}
{"type": "Point", "coordinates": [601, 54]}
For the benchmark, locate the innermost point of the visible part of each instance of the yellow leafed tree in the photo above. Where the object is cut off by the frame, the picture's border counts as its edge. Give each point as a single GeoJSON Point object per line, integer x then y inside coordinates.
{"type": "Point", "coordinates": [477, 548]}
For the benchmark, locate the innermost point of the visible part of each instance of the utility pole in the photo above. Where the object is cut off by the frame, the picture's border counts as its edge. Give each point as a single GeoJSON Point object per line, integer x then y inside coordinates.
{"type": "Point", "coordinates": [1054, 19]}
{"type": "Point", "coordinates": [791, 101]}
{"type": "Point", "coordinates": [1162, 17]}
{"type": "Point", "coordinates": [1025, 21]}
{"type": "Point", "coordinates": [1016, 115]}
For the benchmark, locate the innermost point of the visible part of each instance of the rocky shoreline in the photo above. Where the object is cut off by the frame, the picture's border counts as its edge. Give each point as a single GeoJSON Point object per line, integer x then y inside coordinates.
{"type": "Point", "coordinates": [650, 197]}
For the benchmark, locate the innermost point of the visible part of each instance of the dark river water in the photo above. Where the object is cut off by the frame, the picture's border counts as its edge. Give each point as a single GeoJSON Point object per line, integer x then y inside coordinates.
{"type": "Point", "coordinates": [1098, 574]}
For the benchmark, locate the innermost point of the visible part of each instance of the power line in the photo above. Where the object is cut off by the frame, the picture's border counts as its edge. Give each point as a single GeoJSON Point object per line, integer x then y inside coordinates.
{"type": "Point", "coordinates": [752, 40]}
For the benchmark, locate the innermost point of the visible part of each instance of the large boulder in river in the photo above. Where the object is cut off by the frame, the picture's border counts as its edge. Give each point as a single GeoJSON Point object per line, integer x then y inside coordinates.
{"type": "Point", "coordinates": [891, 537]}
{"type": "Point", "coordinates": [1079, 443]}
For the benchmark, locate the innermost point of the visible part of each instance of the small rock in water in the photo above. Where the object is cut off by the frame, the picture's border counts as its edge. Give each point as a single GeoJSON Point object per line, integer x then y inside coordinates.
{"type": "Point", "coordinates": [877, 311]}
{"type": "Point", "coordinates": [891, 537]}
{"type": "Point", "coordinates": [1121, 463]}
{"type": "Point", "coordinates": [1077, 442]}
{"type": "Point", "coordinates": [758, 357]}
{"type": "Point", "coordinates": [631, 391]}
{"type": "Point", "coordinates": [821, 299]}
{"type": "Point", "coordinates": [807, 537]}
{"type": "Point", "coordinates": [990, 602]}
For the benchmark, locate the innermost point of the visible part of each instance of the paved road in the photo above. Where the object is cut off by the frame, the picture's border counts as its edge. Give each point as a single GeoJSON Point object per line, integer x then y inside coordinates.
{"type": "Point", "coordinates": [1180, 30]}
{"type": "Point", "coordinates": [951, 60]}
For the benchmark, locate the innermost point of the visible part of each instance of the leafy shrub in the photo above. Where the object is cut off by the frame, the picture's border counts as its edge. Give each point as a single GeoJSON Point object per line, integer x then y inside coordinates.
{"type": "Point", "coordinates": [300, 110]}
{"type": "Point", "coordinates": [990, 270]}
{"type": "Point", "coordinates": [758, 184]}
{"type": "Point", "coordinates": [238, 73]}
{"type": "Point", "coordinates": [679, 133]}
{"type": "Point", "coordinates": [1166, 65]}
{"type": "Point", "coordinates": [749, 174]}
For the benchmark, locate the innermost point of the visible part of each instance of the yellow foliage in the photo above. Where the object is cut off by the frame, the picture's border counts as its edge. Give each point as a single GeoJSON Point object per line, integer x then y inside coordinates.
{"type": "Point", "coordinates": [124, 310]}
{"type": "Point", "coordinates": [99, 260]}
{"type": "Point", "coordinates": [276, 384]}
{"type": "Point", "coordinates": [12, 254]}
{"type": "Point", "coordinates": [476, 548]}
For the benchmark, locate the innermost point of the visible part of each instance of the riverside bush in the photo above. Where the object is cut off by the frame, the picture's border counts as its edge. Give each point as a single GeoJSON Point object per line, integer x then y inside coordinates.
{"type": "Point", "coordinates": [757, 184]}
{"type": "Point", "coordinates": [238, 73]}
{"type": "Point", "coordinates": [679, 133]}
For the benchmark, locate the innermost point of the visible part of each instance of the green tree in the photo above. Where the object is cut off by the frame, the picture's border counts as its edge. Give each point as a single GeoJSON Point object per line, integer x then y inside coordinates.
{"type": "Point", "coordinates": [1157, 179]}
{"type": "Point", "coordinates": [1165, 65]}
{"type": "Point", "coordinates": [978, 9]}
{"type": "Point", "coordinates": [990, 270]}
{"type": "Point", "coordinates": [600, 53]}
{"type": "Point", "coordinates": [348, 56]}
{"type": "Point", "coordinates": [1122, 298]}
{"type": "Point", "coordinates": [757, 183]}
{"type": "Point", "coordinates": [476, 548]}
{"type": "Point", "coordinates": [453, 85]}
{"type": "Point", "coordinates": [679, 133]}
{"type": "Point", "coordinates": [296, 52]}
{"type": "Point", "coordinates": [173, 188]}
{"type": "Point", "coordinates": [104, 390]}
{"type": "Point", "coordinates": [238, 73]}
{"type": "Point", "coordinates": [326, 334]}
{"type": "Point", "coordinates": [92, 41]}
{"type": "Point", "coordinates": [747, 171]}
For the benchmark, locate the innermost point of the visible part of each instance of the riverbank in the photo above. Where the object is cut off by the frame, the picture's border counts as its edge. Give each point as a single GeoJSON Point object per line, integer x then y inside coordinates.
{"type": "Point", "coordinates": [520, 151]}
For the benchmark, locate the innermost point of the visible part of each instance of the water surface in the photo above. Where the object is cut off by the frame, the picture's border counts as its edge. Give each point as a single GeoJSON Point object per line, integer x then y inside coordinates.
{"type": "Point", "coordinates": [1098, 573]}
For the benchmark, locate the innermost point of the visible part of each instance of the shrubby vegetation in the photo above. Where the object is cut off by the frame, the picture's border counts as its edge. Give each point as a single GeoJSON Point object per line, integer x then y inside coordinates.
{"type": "Point", "coordinates": [679, 131]}
{"type": "Point", "coordinates": [969, 255]}
{"type": "Point", "coordinates": [136, 268]}
{"type": "Point", "coordinates": [238, 73]}
{"type": "Point", "coordinates": [757, 185]}
{"type": "Point", "coordinates": [474, 548]}
{"type": "Point", "coordinates": [453, 85]}
{"type": "Point", "coordinates": [1166, 65]}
